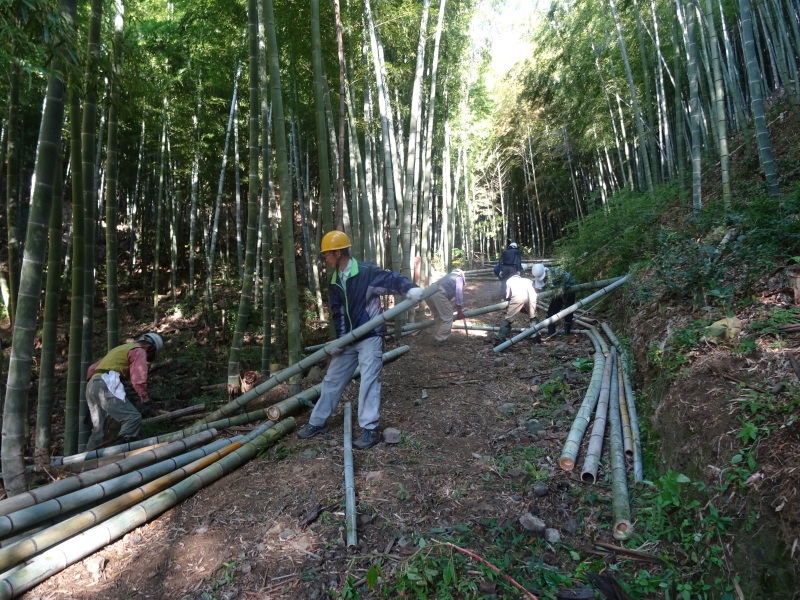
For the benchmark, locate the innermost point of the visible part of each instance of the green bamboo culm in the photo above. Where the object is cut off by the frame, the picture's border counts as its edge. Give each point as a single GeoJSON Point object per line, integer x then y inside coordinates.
{"type": "Point", "coordinates": [592, 460]}
{"type": "Point", "coordinates": [81, 546]}
{"type": "Point", "coordinates": [620, 503]}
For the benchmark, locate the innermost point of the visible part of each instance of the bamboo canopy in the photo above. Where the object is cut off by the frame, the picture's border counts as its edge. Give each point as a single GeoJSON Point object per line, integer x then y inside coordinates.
{"type": "Point", "coordinates": [79, 547]}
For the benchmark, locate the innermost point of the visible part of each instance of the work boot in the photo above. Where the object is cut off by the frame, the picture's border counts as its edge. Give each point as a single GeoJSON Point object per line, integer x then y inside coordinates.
{"type": "Point", "coordinates": [567, 328]}
{"type": "Point", "coordinates": [367, 439]}
{"type": "Point", "coordinates": [505, 329]}
{"type": "Point", "coordinates": [309, 431]}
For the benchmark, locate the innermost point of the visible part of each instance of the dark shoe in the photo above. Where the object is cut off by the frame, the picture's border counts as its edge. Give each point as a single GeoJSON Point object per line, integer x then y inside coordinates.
{"type": "Point", "coordinates": [367, 439]}
{"type": "Point", "coordinates": [443, 343]}
{"type": "Point", "coordinates": [127, 439]}
{"type": "Point", "coordinates": [309, 431]}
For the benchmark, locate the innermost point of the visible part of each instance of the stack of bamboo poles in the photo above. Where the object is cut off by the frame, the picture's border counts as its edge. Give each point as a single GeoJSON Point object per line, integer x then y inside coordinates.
{"type": "Point", "coordinates": [121, 487]}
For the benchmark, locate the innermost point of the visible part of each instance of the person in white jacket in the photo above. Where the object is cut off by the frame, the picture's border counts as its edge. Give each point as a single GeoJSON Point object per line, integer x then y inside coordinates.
{"type": "Point", "coordinates": [521, 297]}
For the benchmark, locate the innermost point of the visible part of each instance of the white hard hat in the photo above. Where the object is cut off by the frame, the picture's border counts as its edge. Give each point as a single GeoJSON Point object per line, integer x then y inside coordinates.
{"type": "Point", "coordinates": [512, 245]}
{"type": "Point", "coordinates": [154, 340]}
{"type": "Point", "coordinates": [538, 271]}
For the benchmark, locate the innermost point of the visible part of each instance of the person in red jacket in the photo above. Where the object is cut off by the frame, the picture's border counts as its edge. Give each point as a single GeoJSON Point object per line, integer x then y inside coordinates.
{"type": "Point", "coordinates": [105, 393]}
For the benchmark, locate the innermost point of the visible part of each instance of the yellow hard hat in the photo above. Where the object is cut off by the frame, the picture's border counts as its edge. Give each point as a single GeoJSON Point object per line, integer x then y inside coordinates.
{"type": "Point", "coordinates": [334, 240]}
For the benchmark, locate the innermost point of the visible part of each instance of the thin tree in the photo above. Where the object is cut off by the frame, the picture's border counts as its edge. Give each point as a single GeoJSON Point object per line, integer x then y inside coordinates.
{"type": "Point", "coordinates": [319, 113]}
{"type": "Point", "coordinates": [15, 411]}
{"type": "Point", "coordinates": [246, 299]}
{"type": "Point", "coordinates": [287, 214]}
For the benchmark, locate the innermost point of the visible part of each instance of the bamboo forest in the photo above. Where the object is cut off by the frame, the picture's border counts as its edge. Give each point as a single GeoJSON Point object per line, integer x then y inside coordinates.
{"type": "Point", "coordinates": [378, 299]}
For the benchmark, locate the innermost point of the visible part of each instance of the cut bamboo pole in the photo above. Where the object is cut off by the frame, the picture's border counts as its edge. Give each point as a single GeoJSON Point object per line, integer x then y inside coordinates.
{"type": "Point", "coordinates": [307, 397]}
{"type": "Point", "coordinates": [620, 503]}
{"type": "Point", "coordinates": [82, 480]}
{"type": "Point", "coordinates": [560, 315]}
{"type": "Point", "coordinates": [630, 401]}
{"type": "Point", "coordinates": [627, 436]}
{"type": "Point", "coordinates": [584, 415]}
{"type": "Point", "coordinates": [58, 461]}
{"type": "Point", "coordinates": [595, 448]}
{"type": "Point", "coordinates": [81, 546]}
{"type": "Point", "coordinates": [95, 463]}
{"type": "Point", "coordinates": [26, 518]}
{"type": "Point", "coordinates": [308, 362]}
{"type": "Point", "coordinates": [349, 478]}
{"type": "Point", "coordinates": [234, 421]}
{"type": "Point", "coordinates": [189, 410]}
{"type": "Point", "coordinates": [494, 307]}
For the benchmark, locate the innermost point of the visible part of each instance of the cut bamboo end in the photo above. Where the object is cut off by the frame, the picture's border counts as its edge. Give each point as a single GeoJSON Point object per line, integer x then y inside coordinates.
{"type": "Point", "coordinates": [566, 463]}
{"type": "Point", "coordinates": [629, 453]}
{"type": "Point", "coordinates": [622, 529]}
{"type": "Point", "coordinates": [587, 477]}
{"type": "Point", "coordinates": [274, 413]}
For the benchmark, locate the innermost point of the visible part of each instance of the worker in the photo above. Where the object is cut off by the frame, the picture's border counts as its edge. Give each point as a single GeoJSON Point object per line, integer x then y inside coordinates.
{"type": "Point", "coordinates": [521, 297]}
{"type": "Point", "coordinates": [105, 393]}
{"type": "Point", "coordinates": [451, 287]}
{"type": "Point", "coordinates": [510, 262]}
{"type": "Point", "coordinates": [559, 282]}
{"type": "Point", "coordinates": [354, 294]}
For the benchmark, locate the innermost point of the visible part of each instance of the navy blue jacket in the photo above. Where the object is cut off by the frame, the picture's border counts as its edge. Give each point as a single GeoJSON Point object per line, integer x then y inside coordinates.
{"type": "Point", "coordinates": [511, 258]}
{"type": "Point", "coordinates": [359, 300]}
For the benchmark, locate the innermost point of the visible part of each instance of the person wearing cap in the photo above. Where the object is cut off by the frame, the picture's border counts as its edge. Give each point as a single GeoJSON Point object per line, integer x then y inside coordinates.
{"type": "Point", "coordinates": [521, 297]}
{"type": "Point", "coordinates": [559, 281]}
{"type": "Point", "coordinates": [510, 262]}
{"type": "Point", "coordinates": [451, 287]}
{"type": "Point", "coordinates": [354, 293]}
{"type": "Point", "coordinates": [105, 393]}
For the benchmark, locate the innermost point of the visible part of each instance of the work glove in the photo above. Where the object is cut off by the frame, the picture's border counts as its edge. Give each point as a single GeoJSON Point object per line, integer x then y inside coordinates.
{"type": "Point", "coordinates": [460, 313]}
{"type": "Point", "coordinates": [146, 410]}
{"type": "Point", "coordinates": [414, 294]}
{"type": "Point", "coordinates": [334, 351]}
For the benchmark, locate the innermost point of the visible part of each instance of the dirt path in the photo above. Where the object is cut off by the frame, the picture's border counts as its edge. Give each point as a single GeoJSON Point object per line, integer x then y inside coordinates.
{"type": "Point", "coordinates": [480, 439]}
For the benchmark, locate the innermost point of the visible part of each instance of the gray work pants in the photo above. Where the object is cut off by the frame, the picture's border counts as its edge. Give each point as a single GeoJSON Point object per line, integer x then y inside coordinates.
{"type": "Point", "coordinates": [103, 404]}
{"type": "Point", "coordinates": [442, 310]}
{"type": "Point", "coordinates": [366, 354]}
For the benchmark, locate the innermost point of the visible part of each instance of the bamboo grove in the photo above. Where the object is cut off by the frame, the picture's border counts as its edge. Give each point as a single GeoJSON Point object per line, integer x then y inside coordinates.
{"type": "Point", "coordinates": [124, 152]}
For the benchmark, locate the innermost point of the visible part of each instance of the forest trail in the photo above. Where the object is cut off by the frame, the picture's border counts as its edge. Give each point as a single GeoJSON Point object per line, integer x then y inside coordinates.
{"type": "Point", "coordinates": [481, 434]}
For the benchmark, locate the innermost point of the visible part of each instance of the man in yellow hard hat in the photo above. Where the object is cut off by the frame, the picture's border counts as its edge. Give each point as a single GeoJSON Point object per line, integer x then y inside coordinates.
{"type": "Point", "coordinates": [354, 294]}
{"type": "Point", "coordinates": [105, 393]}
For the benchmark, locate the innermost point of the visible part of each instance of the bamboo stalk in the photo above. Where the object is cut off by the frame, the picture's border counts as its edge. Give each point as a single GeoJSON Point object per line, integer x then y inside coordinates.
{"type": "Point", "coordinates": [242, 419]}
{"type": "Point", "coordinates": [570, 451]}
{"type": "Point", "coordinates": [81, 546]}
{"type": "Point", "coordinates": [309, 361]}
{"type": "Point", "coordinates": [560, 315]}
{"type": "Point", "coordinates": [620, 503]}
{"type": "Point", "coordinates": [592, 460]}
{"type": "Point", "coordinates": [295, 403]}
{"type": "Point", "coordinates": [349, 478]}
{"type": "Point", "coordinates": [82, 480]}
{"type": "Point", "coordinates": [94, 463]}
{"type": "Point", "coordinates": [630, 402]}
{"type": "Point", "coordinates": [627, 435]}
{"type": "Point", "coordinates": [26, 518]}
{"type": "Point", "coordinates": [189, 410]}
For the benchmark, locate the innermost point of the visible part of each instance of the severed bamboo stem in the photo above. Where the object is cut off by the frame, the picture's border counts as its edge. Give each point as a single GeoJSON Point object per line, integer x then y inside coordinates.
{"type": "Point", "coordinates": [620, 503]}
{"type": "Point", "coordinates": [94, 463]}
{"type": "Point", "coordinates": [308, 362]}
{"type": "Point", "coordinates": [349, 478]}
{"type": "Point", "coordinates": [81, 546]}
{"type": "Point", "coordinates": [189, 410]}
{"type": "Point", "coordinates": [560, 315]}
{"type": "Point", "coordinates": [82, 480]}
{"type": "Point", "coordinates": [307, 397]}
{"type": "Point", "coordinates": [570, 451]}
{"type": "Point", "coordinates": [26, 518]}
{"type": "Point", "coordinates": [592, 460]}
{"type": "Point", "coordinates": [627, 435]}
